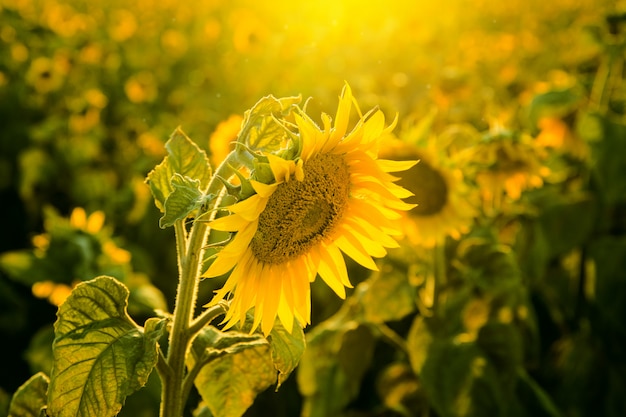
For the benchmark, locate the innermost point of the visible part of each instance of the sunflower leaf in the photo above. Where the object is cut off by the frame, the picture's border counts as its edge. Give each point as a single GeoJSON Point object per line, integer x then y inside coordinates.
{"type": "Point", "coordinates": [338, 353]}
{"type": "Point", "coordinates": [460, 380]}
{"type": "Point", "coordinates": [184, 158]}
{"type": "Point", "coordinates": [260, 131]}
{"type": "Point", "coordinates": [286, 348]}
{"type": "Point", "coordinates": [100, 355]}
{"type": "Point", "coordinates": [388, 295]}
{"type": "Point", "coordinates": [227, 391]}
{"type": "Point", "coordinates": [182, 201]}
{"type": "Point", "coordinates": [30, 397]}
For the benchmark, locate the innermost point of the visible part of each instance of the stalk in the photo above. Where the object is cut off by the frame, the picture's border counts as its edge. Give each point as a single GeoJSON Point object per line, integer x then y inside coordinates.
{"type": "Point", "coordinates": [190, 253]}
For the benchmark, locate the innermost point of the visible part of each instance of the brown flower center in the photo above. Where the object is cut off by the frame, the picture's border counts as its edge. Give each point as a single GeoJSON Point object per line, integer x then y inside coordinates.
{"type": "Point", "coordinates": [428, 186]}
{"type": "Point", "coordinates": [299, 214]}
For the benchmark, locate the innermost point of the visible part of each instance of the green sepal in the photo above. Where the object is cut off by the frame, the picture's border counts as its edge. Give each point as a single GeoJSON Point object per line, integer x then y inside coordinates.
{"type": "Point", "coordinates": [185, 158]}
{"type": "Point", "coordinates": [100, 355]}
{"type": "Point", "coordinates": [182, 201]}
{"type": "Point", "coordinates": [30, 397]}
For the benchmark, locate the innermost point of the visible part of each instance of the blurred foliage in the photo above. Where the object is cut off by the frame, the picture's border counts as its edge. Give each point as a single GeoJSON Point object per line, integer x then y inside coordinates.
{"type": "Point", "coordinates": [508, 294]}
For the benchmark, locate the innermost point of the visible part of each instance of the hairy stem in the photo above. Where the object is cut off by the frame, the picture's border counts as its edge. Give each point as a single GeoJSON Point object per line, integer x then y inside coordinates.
{"type": "Point", "coordinates": [190, 252]}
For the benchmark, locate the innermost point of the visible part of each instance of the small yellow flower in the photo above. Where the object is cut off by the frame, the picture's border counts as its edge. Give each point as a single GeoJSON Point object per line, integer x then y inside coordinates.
{"type": "Point", "coordinates": [91, 224]}
{"type": "Point", "coordinates": [335, 196]}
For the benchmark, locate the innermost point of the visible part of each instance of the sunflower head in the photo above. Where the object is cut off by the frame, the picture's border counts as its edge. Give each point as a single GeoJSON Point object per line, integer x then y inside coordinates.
{"type": "Point", "coordinates": [324, 194]}
{"type": "Point", "coordinates": [507, 165]}
{"type": "Point", "coordinates": [445, 203]}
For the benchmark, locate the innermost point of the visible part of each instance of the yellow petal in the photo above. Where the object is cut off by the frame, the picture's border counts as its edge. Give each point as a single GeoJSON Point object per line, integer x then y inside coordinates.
{"type": "Point", "coordinates": [312, 137]}
{"type": "Point", "coordinates": [233, 252]}
{"type": "Point", "coordinates": [395, 166]}
{"type": "Point", "coordinates": [371, 232]}
{"type": "Point", "coordinates": [272, 291]}
{"type": "Point", "coordinates": [356, 251]}
{"type": "Point", "coordinates": [330, 275]}
{"type": "Point", "coordinates": [281, 168]}
{"type": "Point", "coordinates": [285, 313]}
{"type": "Point", "coordinates": [250, 208]}
{"type": "Point", "coordinates": [373, 127]}
{"type": "Point", "coordinates": [231, 223]}
{"type": "Point", "coordinates": [333, 255]}
{"type": "Point", "coordinates": [263, 190]}
{"type": "Point", "coordinates": [343, 114]}
{"type": "Point", "coordinates": [371, 247]}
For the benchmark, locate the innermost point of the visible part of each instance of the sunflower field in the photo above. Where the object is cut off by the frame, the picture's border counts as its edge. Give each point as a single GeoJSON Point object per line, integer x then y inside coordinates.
{"type": "Point", "coordinates": [430, 195]}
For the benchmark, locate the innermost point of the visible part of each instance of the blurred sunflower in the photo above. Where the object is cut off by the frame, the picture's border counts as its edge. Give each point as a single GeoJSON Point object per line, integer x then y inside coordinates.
{"type": "Point", "coordinates": [556, 134]}
{"type": "Point", "coordinates": [335, 196]}
{"type": "Point", "coordinates": [444, 200]}
{"type": "Point", "coordinates": [222, 140]}
{"type": "Point", "coordinates": [508, 164]}
{"type": "Point", "coordinates": [46, 74]}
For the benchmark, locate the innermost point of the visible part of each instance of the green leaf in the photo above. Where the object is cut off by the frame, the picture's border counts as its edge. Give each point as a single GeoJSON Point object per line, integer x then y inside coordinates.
{"type": "Point", "coordinates": [30, 397]}
{"type": "Point", "coordinates": [399, 389]}
{"type": "Point", "coordinates": [286, 348]}
{"type": "Point", "coordinates": [186, 198]}
{"type": "Point", "coordinates": [535, 398]}
{"type": "Point", "coordinates": [229, 385]}
{"type": "Point", "coordinates": [418, 342]}
{"type": "Point", "coordinates": [184, 158]}
{"type": "Point", "coordinates": [460, 381]}
{"type": "Point", "coordinates": [555, 103]}
{"type": "Point", "coordinates": [608, 153]}
{"type": "Point", "coordinates": [260, 131]}
{"type": "Point", "coordinates": [567, 222]}
{"type": "Point", "coordinates": [388, 295]}
{"type": "Point", "coordinates": [329, 376]}
{"type": "Point", "coordinates": [100, 355]}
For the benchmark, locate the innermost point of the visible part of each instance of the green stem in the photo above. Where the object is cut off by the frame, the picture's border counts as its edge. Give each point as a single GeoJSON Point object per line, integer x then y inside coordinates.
{"type": "Point", "coordinates": [206, 317]}
{"type": "Point", "coordinates": [190, 252]}
{"type": "Point", "coordinates": [172, 403]}
{"type": "Point", "coordinates": [439, 268]}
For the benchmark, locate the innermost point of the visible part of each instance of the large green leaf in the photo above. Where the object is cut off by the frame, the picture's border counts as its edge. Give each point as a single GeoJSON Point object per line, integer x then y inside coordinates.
{"type": "Point", "coordinates": [461, 381]}
{"type": "Point", "coordinates": [238, 366]}
{"type": "Point", "coordinates": [100, 355]}
{"type": "Point", "coordinates": [184, 158]}
{"type": "Point", "coordinates": [30, 397]}
{"type": "Point", "coordinates": [338, 353]}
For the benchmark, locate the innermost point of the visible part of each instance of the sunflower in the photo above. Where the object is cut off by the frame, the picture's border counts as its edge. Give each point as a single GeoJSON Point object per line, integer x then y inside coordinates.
{"type": "Point", "coordinates": [335, 196]}
{"type": "Point", "coordinates": [222, 140]}
{"type": "Point", "coordinates": [509, 164]}
{"type": "Point", "coordinates": [444, 201]}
